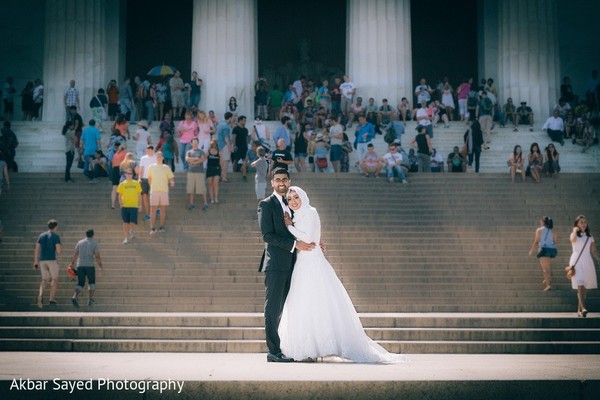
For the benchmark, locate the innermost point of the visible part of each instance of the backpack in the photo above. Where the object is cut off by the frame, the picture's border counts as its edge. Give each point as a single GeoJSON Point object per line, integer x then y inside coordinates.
{"type": "Point", "coordinates": [390, 135]}
{"type": "Point", "coordinates": [472, 100]}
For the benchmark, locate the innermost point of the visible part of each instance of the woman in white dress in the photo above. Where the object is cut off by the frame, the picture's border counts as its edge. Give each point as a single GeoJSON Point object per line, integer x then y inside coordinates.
{"type": "Point", "coordinates": [448, 100]}
{"type": "Point", "coordinates": [319, 319]}
{"type": "Point", "coordinates": [585, 273]}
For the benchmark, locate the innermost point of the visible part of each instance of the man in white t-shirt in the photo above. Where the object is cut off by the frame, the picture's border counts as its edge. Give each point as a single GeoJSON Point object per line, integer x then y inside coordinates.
{"type": "Point", "coordinates": [348, 90]}
{"type": "Point", "coordinates": [424, 119]}
{"type": "Point", "coordinates": [145, 162]}
{"type": "Point", "coordinates": [160, 177]}
{"type": "Point", "coordinates": [393, 160]}
{"type": "Point", "coordinates": [423, 91]}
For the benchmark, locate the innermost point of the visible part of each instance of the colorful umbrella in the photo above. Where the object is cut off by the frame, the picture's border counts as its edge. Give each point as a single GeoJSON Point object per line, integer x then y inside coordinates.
{"type": "Point", "coordinates": [162, 70]}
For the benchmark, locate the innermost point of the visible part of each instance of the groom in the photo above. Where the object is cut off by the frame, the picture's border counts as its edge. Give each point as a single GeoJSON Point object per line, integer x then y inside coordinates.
{"type": "Point", "coordinates": [278, 258]}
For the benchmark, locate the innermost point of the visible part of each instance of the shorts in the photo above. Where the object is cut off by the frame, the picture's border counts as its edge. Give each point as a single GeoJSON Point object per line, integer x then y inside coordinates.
{"type": "Point", "coordinates": [115, 175]}
{"type": "Point", "coordinates": [49, 269]}
{"type": "Point", "coordinates": [129, 215]}
{"type": "Point", "coordinates": [371, 169]}
{"type": "Point", "coordinates": [225, 154]}
{"type": "Point", "coordinates": [177, 100]}
{"type": "Point", "coordinates": [82, 273]}
{"type": "Point", "coordinates": [196, 182]}
{"type": "Point", "coordinates": [335, 153]}
{"type": "Point", "coordinates": [547, 252]}
{"type": "Point", "coordinates": [145, 186]}
{"type": "Point", "coordinates": [159, 199]}
{"type": "Point", "coordinates": [301, 155]}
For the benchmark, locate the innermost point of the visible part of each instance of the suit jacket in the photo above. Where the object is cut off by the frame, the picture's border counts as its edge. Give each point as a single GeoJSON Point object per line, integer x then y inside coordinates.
{"type": "Point", "coordinates": [278, 255]}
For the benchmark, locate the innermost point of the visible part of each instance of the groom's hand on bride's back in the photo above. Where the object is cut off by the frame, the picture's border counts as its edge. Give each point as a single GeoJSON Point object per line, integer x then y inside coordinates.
{"type": "Point", "coordinates": [300, 245]}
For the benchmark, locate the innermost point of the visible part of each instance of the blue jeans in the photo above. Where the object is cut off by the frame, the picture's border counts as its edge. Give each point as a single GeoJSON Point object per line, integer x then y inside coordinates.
{"type": "Point", "coordinates": [150, 111]}
{"type": "Point", "coordinates": [194, 100]}
{"type": "Point", "coordinates": [398, 170]}
{"type": "Point", "coordinates": [127, 106]}
{"type": "Point", "coordinates": [86, 166]}
{"type": "Point", "coordinates": [183, 148]}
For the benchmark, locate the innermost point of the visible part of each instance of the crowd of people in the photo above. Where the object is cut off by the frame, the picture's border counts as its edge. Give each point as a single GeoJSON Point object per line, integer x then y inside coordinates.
{"type": "Point", "coordinates": [319, 127]}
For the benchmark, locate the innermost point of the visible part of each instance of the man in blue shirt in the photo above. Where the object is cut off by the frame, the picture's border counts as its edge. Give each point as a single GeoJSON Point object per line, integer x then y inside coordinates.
{"type": "Point", "coordinates": [283, 132]}
{"type": "Point", "coordinates": [90, 142]}
{"type": "Point", "coordinates": [44, 259]}
{"type": "Point", "coordinates": [225, 143]}
{"type": "Point", "coordinates": [364, 133]}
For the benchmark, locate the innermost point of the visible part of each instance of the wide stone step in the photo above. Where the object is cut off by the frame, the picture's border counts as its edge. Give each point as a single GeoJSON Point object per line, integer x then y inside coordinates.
{"type": "Point", "coordinates": [407, 333]}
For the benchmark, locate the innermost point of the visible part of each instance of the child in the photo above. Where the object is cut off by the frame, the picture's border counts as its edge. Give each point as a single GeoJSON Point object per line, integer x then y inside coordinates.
{"type": "Point", "coordinates": [260, 179]}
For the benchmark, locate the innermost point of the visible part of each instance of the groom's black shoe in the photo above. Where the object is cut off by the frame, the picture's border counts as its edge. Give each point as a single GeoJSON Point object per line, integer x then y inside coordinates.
{"type": "Point", "coordinates": [279, 357]}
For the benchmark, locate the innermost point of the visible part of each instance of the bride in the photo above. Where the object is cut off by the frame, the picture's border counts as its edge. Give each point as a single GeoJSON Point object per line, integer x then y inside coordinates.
{"type": "Point", "coordinates": [319, 319]}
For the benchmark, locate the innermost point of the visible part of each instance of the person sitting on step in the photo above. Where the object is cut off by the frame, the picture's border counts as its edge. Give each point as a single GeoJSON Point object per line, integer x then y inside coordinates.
{"type": "Point", "coordinates": [524, 115]}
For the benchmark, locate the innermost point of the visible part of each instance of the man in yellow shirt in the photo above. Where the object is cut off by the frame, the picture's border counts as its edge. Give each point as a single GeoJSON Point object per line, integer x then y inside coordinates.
{"type": "Point", "coordinates": [160, 177]}
{"type": "Point", "coordinates": [130, 196]}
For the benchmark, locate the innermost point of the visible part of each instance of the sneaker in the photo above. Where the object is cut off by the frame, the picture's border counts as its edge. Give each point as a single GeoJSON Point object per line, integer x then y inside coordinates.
{"type": "Point", "coordinates": [515, 130]}
{"type": "Point", "coordinates": [245, 178]}
{"type": "Point", "coordinates": [391, 180]}
{"type": "Point", "coordinates": [132, 235]}
{"type": "Point", "coordinates": [204, 207]}
{"type": "Point", "coordinates": [191, 207]}
{"type": "Point", "coordinates": [91, 302]}
{"type": "Point", "coordinates": [212, 202]}
{"type": "Point", "coordinates": [217, 201]}
{"type": "Point", "coordinates": [404, 181]}
{"type": "Point", "coordinates": [40, 302]}
{"type": "Point", "coordinates": [146, 217]}
{"type": "Point", "coordinates": [530, 129]}
{"type": "Point", "coordinates": [152, 231]}
{"type": "Point", "coordinates": [53, 302]}
{"type": "Point", "coordinates": [162, 229]}
{"type": "Point", "coordinates": [75, 302]}
{"type": "Point", "coordinates": [93, 181]}
{"type": "Point", "coordinates": [125, 241]}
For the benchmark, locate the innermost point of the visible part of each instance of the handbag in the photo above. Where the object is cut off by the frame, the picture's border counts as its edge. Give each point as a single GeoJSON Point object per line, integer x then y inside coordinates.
{"type": "Point", "coordinates": [347, 147]}
{"type": "Point", "coordinates": [322, 162]}
{"type": "Point", "coordinates": [71, 272]}
{"type": "Point", "coordinates": [570, 269]}
{"type": "Point", "coordinates": [541, 249]}
{"type": "Point", "coordinates": [103, 112]}
{"type": "Point", "coordinates": [80, 163]}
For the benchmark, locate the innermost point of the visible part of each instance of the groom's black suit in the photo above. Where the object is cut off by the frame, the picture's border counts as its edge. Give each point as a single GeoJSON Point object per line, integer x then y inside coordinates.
{"type": "Point", "coordinates": [278, 262]}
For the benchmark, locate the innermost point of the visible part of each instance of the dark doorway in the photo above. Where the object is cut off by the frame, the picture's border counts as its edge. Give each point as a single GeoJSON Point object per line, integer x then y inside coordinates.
{"type": "Point", "coordinates": [158, 32]}
{"type": "Point", "coordinates": [444, 41]}
{"type": "Point", "coordinates": [307, 37]}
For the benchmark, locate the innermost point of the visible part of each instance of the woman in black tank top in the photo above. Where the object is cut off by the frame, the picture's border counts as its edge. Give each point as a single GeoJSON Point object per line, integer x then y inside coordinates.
{"type": "Point", "coordinates": [423, 149]}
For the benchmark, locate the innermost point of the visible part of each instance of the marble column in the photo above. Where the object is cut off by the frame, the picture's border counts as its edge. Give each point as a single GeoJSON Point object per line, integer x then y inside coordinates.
{"type": "Point", "coordinates": [77, 46]}
{"type": "Point", "coordinates": [528, 54]}
{"type": "Point", "coordinates": [224, 53]}
{"type": "Point", "coordinates": [379, 49]}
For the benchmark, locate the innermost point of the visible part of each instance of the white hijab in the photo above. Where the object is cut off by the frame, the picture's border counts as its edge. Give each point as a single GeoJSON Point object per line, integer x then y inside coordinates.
{"type": "Point", "coordinates": [305, 206]}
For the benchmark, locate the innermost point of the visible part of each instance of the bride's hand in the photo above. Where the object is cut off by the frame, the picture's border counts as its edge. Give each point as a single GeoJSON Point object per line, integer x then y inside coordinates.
{"type": "Point", "coordinates": [287, 219]}
{"type": "Point", "coordinates": [300, 245]}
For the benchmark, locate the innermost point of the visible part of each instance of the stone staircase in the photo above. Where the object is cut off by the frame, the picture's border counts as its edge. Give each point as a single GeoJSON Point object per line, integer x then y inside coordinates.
{"type": "Point", "coordinates": [438, 265]}
{"type": "Point", "coordinates": [41, 147]}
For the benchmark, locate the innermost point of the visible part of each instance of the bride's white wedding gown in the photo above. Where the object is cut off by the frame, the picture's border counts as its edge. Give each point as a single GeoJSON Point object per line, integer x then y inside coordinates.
{"type": "Point", "coordinates": [319, 319]}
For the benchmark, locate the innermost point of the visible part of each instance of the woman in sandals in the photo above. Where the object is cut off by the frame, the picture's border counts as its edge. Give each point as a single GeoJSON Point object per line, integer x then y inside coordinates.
{"type": "Point", "coordinates": [545, 244]}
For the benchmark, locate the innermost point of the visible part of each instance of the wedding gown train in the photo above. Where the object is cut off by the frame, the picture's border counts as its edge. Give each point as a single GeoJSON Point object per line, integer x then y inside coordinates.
{"type": "Point", "coordinates": [319, 319]}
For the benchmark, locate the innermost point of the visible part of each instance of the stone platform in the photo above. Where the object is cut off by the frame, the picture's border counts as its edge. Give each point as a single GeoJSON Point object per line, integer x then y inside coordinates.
{"type": "Point", "coordinates": [249, 376]}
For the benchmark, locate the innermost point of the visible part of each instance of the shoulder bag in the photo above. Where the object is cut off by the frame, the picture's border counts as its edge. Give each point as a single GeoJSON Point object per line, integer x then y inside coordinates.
{"type": "Point", "coordinates": [570, 269]}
